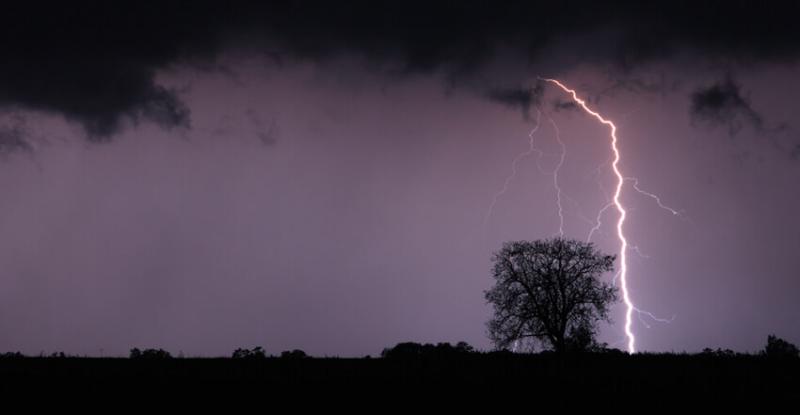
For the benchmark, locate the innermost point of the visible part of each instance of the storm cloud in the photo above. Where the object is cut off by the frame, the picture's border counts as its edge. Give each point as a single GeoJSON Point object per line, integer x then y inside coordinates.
{"type": "Point", "coordinates": [12, 139]}
{"type": "Point", "coordinates": [96, 63]}
{"type": "Point", "coordinates": [522, 98]}
{"type": "Point", "coordinates": [723, 103]}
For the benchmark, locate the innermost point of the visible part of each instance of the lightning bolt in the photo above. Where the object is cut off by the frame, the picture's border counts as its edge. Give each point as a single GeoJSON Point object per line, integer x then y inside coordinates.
{"type": "Point", "coordinates": [652, 196]}
{"type": "Point", "coordinates": [531, 149]}
{"type": "Point", "coordinates": [623, 272]}
{"type": "Point", "coordinates": [599, 221]}
{"type": "Point", "coordinates": [613, 202]}
{"type": "Point", "coordinates": [559, 192]}
{"type": "Point", "coordinates": [641, 312]}
{"type": "Point", "coordinates": [560, 195]}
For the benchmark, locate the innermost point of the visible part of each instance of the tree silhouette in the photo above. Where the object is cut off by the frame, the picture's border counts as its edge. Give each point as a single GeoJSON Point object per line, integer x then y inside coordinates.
{"type": "Point", "coordinates": [149, 354]}
{"type": "Point", "coordinates": [549, 292]}
{"type": "Point", "coordinates": [408, 350]}
{"type": "Point", "coordinates": [254, 353]}
{"type": "Point", "coordinates": [293, 354]}
{"type": "Point", "coordinates": [780, 348]}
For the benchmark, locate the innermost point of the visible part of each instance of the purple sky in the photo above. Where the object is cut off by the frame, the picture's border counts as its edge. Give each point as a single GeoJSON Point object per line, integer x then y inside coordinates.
{"type": "Point", "coordinates": [338, 208]}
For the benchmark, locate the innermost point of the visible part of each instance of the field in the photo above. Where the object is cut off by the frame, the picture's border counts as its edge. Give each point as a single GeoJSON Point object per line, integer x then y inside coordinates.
{"type": "Point", "coordinates": [709, 376]}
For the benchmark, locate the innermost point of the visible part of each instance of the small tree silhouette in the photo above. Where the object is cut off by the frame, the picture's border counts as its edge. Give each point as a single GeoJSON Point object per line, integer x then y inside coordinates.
{"type": "Point", "coordinates": [149, 354]}
{"type": "Point", "coordinates": [779, 348]}
{"type": "Point", "coordinates": [549, 292]}
{"type": "Point", "coordinates": [11, 355]}
{"type": "Point", "coordinates": [255, 353]}
{"type": "Point", "coordinates": [411, 350]}
{"type": "Point", "coordinates": [293, 354]}
{"type": "Point", "coordinates": [464, 347]}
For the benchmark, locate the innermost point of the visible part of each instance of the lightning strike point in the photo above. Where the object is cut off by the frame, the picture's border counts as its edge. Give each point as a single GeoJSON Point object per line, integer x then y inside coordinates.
{"type": "Point", "coordinates": [623, 273]}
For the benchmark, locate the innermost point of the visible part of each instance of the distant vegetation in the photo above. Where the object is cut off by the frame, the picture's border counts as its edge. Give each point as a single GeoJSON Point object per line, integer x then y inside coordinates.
{"type": "Point", "coordinates": [255, 353]}
{"type": "Point", "coordinates": [414, 350]}
{"type": "Point", "coordinates": [149, 354]}
{"type": "Point", "coordinates": [776, 348]}
{"type": "Point", "coordinates": [775, 371]}
{"type": "Point", "coordinates": [293, 354]}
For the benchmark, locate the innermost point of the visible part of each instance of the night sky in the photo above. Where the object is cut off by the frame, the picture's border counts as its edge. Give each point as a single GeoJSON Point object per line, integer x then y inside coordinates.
{"type": "Point", "coordinates": [200, 176]}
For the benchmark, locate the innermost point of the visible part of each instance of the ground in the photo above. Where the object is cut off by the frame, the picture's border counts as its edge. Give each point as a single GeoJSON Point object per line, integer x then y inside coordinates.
{"type": "Point", "coordinates": [710, 376]}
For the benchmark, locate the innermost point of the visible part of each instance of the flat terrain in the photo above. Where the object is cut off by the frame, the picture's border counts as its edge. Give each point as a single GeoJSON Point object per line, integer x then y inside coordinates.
{"type": "Point", "coordinates": [708, 376]}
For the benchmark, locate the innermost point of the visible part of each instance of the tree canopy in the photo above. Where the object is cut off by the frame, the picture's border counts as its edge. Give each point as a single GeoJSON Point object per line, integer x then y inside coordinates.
{"type": "Point", "coordinates": [549, 293]}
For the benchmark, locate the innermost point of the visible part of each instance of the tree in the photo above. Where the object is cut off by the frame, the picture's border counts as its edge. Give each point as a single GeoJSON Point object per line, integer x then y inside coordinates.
{"type": "Point", "coordinates": [549, 292]}
{"type": "Point", "coordinates": [411, 350]}
{"type": "Point", "coordinates": [149, 354]}
{"type": "Point", "coordinates": [778, 348]}
{"type": "Point", "coordinates": [254, 353]}
{"type": "Point", "coordinates": [293, 354]}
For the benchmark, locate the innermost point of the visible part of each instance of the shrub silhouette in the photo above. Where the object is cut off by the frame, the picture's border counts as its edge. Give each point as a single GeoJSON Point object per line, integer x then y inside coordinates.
{"type": "Point", "coordinates": [779, 348]}
{"type": "Point", "coordinates": [718, 353]}
{"type": "Point", "coordinates": [254, 353]}
{"type": "Point", "coordinates": [581, 338]}
{"type": "Point", "coordinates": [416, 350]}
{"type": "Point", "coordinates": [464, 347]}
{"type": "Point", "coordinates": [293, 354]}
{"type": "Point", "coordinates": [11, 355]}
{"type": "Point", "coordinates": [149, 354]}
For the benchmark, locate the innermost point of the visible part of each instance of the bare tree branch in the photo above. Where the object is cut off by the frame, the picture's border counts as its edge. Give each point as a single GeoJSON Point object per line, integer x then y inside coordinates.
{"type": "Point", "coordinates": [549, 290]}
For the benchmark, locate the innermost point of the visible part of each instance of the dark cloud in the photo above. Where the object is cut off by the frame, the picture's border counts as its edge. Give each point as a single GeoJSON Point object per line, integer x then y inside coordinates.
{"type": "Point", "coordinates": [522, 98]}
{"type": "Point", "coordinates": [654, 84]}
{"type": "Point", "coordinates": [14, 137]}
{"type": "Point", "coordinates": [94, 63]}
{"type": "Point", "coordinates": [723, 103]}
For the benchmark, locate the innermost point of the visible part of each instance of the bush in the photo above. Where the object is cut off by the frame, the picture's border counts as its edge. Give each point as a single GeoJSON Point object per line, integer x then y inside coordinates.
{"type": "Point", "coordinates": [149, 354]}
{"type": "Point", "coordinates": [413, 350]}
{"type": "Point", "coordinates": [779, 348]}
{"type": "Point", "coordinates": [11, 355]}
{"type": "Point", "coordinates": [293, 354]}
{"type": "Point", "coordinates": [254, 353]}
{"type": "Point", "coordinates": [718, 353]}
